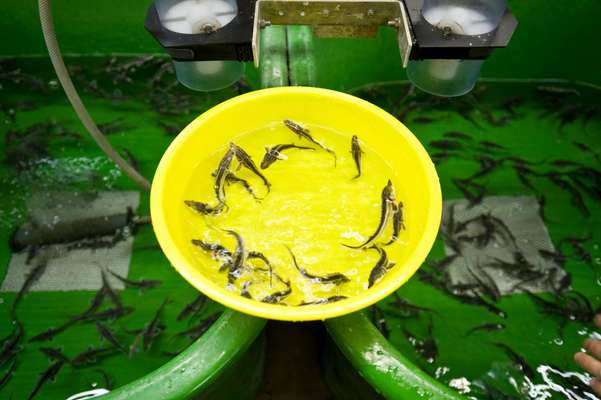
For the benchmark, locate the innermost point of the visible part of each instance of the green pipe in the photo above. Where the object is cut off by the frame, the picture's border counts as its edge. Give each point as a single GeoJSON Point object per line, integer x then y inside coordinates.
{"type": "Point", "coordinates": [199, 365]}
{"type": "Point", "coordinates": [302, 68]}
{"type": "Point", "coordinates": [274, 59]}
{"type": "Point", "coordinates": [390, 373]}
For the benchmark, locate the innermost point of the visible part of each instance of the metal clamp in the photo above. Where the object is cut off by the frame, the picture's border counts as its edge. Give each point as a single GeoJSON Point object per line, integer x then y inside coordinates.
{"type": "Point", "coordinates": [336, 18]}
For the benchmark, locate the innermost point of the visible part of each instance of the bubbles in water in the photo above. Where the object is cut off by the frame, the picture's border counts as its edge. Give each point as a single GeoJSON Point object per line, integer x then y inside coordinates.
{"type": "Point", "coordinates": [441, 371]}
{"type": "Point", "coordinates": [558, 341]}
{"type": "Point", "coordinates": [352, 235]}
{"type": "Point", "coordinates": [546, 390]}
{"type": "Point", "coordinates": [461, 384]}
{"type": "Point", "coordinates": [89, 394]}
{"type": "Point", "coordinates": [94, 384]}
{"type": "Point", "coordinates": [280, 13]}
{"type": "Point", "coordinates": [514, 383]}
{"type": "Point", "coordinates": [302, 13]}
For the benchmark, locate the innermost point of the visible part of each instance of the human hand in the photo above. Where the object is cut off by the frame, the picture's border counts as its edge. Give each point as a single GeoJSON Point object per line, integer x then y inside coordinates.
{"type": "Point", "coordinates": [591, 360]}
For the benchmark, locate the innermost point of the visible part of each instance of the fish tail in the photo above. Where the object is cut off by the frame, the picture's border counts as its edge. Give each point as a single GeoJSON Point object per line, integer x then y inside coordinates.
{"type": "Point", "coordinates": [335, 157]}
{"type": "Point", "coordinates": [353, 247]}
{"type": "Point", "coordinates": [391, 241]}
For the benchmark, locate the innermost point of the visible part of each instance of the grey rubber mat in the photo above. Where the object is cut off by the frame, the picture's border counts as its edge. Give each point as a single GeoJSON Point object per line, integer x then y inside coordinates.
{"type": "Point", "coordinates": [68, 266]}
{"type": "Point", "coordinates": [479, 262]}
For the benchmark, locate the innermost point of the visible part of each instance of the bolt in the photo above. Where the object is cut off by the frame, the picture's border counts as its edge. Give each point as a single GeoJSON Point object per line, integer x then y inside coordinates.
{"type": "Point", "coordinates": [207, 28]}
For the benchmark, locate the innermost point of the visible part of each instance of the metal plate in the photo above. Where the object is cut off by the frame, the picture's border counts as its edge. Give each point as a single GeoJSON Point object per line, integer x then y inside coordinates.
{"type": "Point", "coordinates": [329, 12]}
{"type": "Point", "coordinates": [335, 18]}
{"type": "Point", "coordinates": [337, 31]}
{"type": "Point", "coordinates": [405, 37]}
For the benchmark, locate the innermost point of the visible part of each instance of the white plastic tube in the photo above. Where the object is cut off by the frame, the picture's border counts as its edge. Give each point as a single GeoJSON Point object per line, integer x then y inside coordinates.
{"type": "Point", "coordinates": [201, 16]}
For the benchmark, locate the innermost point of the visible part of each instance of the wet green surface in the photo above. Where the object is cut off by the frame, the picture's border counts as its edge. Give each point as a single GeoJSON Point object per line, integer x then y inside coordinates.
{"type": "Point", "coordinates": [533, 137]}
{"type": "Point", "coordinates": [77, 164]}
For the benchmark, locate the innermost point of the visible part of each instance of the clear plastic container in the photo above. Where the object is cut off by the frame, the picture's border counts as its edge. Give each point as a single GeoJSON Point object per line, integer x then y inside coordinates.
{"type": "Point", "coordinates": [206, 76]}
{"type": "Point", "coordinates": [201, 16]}
{"type": "Point", "coordinates": [444, 77]}
{"type": "Point", "coordinates": [465, 17]}
{"type": "Point", "coordinates": [462, 17]}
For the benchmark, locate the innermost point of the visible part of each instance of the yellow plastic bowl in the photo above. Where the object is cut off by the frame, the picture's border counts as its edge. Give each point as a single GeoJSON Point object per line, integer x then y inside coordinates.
{"type": "Point", "coordinates": [215, 129]}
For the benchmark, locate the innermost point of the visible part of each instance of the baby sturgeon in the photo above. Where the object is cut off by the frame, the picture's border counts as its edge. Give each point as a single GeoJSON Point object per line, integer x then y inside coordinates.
{"type": "Point", "coordinates": [303, 133]}
{"type": "Point", "coordinates": [356, 152]}
{"type": "Point", "coordinates": [381, 267]}
{"type": "Point", "coordinates": [388, 207]}
{"type": "Point", "coordinates": [272, 154]}
{"type": "Point", "coordinates": [335, 278]}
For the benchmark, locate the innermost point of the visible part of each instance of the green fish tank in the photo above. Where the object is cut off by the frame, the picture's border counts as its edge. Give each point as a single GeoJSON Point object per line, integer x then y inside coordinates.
{"type": "Point", "coordinates": [90, 306]}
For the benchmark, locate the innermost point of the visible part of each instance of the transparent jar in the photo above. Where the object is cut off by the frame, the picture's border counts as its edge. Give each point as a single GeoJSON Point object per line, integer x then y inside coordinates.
{"type": "Point", "coordinates": [461, 17]}
{"type": "Point", "coordinates": [464, 17]}
{"type": "Point", "coordinates": [201, 16]}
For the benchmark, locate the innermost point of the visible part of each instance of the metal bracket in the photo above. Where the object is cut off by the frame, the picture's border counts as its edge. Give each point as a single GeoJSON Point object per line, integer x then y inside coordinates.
{"type": "Point", "coordinates": [335, 18]}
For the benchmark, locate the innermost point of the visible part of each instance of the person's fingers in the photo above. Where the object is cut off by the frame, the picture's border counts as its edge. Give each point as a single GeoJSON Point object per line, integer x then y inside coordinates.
{"type": "Point", "coordinates": [597, 320]}
{"type": "Point", "coordinates": [588, 363]}
{"type": "Point", "coordinates": [593, 347]}
{"type": "Point", "coordinates": [596, 386]}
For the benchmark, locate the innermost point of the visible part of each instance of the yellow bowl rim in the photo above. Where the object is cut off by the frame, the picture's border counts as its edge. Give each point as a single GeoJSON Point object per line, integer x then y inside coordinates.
{"type": "Point", "coordinates": [281, 312]}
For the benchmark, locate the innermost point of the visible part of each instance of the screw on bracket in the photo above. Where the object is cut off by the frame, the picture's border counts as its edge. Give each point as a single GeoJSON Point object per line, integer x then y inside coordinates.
{"type": "Point", "coordinates": [394, 22]}
{"type": "Point", "coordinates": [207, 28]}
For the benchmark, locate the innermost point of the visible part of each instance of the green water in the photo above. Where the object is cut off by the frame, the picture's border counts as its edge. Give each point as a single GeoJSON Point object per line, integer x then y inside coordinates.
{"type": "Point", "coordinates": [532, 136]}
{"type": "Point", "coordinates": [46, 160]}
{"type": "Point", "coordinates": [147, 110]}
